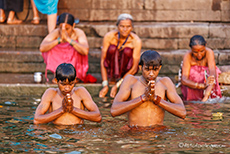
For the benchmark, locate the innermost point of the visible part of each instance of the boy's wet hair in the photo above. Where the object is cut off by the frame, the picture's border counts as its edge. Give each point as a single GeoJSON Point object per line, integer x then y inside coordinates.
{"type": "Point", "coordinates": [66, 18]}
{"type": "Point", "coordinates": [150, 58]}
{"type": "Point", "coordinates": [124, 16]}
{"type": "Point", "coordinates": [197, 40]}
{"type": "Point", "coordinates": [65, 71]}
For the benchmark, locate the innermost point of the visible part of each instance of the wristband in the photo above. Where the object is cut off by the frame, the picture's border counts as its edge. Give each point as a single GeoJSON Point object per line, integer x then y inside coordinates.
{"type": "Point", "coordinates": [119, 83]}
{"type": "Point", "coordinates": [59, 40]}
{"type": "Point", "coordinates": [105, 83]}
{"type": "Point", "coordinates": [71, 42]}
{"type": "Point", "coordinates": [157, 100]}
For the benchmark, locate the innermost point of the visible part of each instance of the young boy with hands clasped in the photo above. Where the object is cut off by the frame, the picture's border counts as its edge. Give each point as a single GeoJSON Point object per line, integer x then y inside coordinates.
{"type": "Point", "coordinates": [66, 104]}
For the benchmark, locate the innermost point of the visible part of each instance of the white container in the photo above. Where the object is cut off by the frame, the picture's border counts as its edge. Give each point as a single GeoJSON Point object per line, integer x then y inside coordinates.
{"type": "Point", "coordinates": [38, 77]}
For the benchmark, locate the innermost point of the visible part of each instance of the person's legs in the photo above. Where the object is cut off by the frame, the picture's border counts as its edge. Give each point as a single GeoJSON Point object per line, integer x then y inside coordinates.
{"type": "Point", "coordinates": [51, 22]}
{"type": "Point", "coordinates": [2, 16]}
{"type": "Point", "coordinates": [11, 18]}
{"type": "Point", "coordinates": [36, 18]}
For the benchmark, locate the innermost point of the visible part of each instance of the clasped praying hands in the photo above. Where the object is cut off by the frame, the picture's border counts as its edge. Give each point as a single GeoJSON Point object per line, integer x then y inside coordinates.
{"type": "Point", "coordinates": [67, 103]}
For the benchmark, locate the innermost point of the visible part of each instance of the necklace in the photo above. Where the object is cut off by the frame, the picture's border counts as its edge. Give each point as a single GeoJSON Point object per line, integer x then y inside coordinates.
{"type": "Point", "coordinates": [123, 42]}
{"type": "Point", "coordinates": [142, 81]}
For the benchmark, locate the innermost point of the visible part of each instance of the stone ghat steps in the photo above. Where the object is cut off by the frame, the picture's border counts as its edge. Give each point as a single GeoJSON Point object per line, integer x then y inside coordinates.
{"type": "Point", "coordinates": [30, 61]}
{"type": "Point", "coordinates": [154, 35]}
{"type": "Point", "coordinates": [36, 90]}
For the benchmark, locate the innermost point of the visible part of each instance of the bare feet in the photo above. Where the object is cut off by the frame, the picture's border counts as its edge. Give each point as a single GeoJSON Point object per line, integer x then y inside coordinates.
{"type": "Point", "coordinates": [2, 16]}
{"type": "Point", "coordinates": [104, 91]}
{"type": "Point", "coordinates": [13, 21]}
{"type": "Point", "coordinates": [36, 20]}
{"type": "Point", "coordinates": [113, 91]}
{"type": "Point", "coordinates": [2, 19]}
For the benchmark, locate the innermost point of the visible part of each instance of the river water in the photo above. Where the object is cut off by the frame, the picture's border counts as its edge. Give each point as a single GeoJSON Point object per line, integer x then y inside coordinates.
{"type": "Point", "coordinates": [200, 132]}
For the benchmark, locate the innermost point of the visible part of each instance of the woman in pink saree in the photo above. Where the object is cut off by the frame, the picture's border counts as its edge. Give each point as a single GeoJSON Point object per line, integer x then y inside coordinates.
{"type": "Point", "coordinates": [66, 44]}
{"type": "Point", "coordinates": [199, 72]}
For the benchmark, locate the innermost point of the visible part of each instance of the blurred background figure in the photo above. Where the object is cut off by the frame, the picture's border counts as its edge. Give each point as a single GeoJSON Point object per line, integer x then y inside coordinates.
{"type": "Point", "coordinates": [12, 6]}
{"type": "Point", "coordinates": [48, 7]}
{"type": "Point", "coordinates": [36, 18]}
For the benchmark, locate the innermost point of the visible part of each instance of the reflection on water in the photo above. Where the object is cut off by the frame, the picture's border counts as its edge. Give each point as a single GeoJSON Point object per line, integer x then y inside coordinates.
{"type": "Point", "coordinates": [200, 132]}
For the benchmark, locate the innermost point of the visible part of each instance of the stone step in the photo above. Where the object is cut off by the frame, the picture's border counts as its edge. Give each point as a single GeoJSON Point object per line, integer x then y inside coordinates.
{"type": "Point", "coordinates": [36, 90]}
{"type": "Point", "coordinates": [30, 61]}
{"type": "Point", "coordinates": [154, 35]}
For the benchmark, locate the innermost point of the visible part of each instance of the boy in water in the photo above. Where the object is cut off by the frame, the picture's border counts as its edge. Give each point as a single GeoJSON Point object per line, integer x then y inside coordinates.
{"type": "Point", "coordinates": [145, 98]}
{"type": "Point", "coordinates": [66, 104]}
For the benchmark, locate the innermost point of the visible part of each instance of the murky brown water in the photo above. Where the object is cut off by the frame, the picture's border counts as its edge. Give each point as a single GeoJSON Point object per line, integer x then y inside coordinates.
{"type": "Point", "coordinates": [198, 133]}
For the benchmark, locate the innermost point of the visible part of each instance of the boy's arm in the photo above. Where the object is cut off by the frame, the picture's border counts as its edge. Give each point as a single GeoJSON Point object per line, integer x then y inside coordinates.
{"type": "Point", "coordinates": [93, 113]}
{"type": "Point", "coordinates": [40, 116]}
{"type": "Point", "coordinates": [176, 105]}
{"type": "Point", "coordinates": [120, 105]}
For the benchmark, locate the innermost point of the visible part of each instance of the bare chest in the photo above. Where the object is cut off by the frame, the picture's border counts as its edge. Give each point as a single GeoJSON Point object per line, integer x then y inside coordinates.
{"type": "Point", "coordinates": [57, 102]}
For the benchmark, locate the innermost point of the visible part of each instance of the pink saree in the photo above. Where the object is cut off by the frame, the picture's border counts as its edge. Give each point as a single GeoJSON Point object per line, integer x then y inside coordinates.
{"type": "Point", "coordinates": [197, 74]}
{"type": "Point", "coordinates": [65, 53]}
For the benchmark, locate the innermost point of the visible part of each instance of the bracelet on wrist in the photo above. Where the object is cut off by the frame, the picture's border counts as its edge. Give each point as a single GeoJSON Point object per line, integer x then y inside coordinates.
{"type": "Point", "coordinates": [71, 42]}
{"type": "Point", "coordinates": [105, 83]}
{"type": "Point", "coordinates": [157, 100]}
{"type": "Point", "coordinates": [59, 40]}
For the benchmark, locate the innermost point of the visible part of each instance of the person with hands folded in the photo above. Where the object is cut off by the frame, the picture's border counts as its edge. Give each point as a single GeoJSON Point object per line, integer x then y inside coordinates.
{"type": "Point", "coordinates": [146, 98]}
{"type": "Point", "coordinates": [199, 72]}
{"type": "Point", "coordinates": [67, 104]}
{"type": "Point", "coordinates": [120, 54]}
{"type": "Point", "coordinates": [66, 44]}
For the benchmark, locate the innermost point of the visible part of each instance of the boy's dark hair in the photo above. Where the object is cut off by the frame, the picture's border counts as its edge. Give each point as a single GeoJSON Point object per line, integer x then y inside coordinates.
{"type": "Point", "coordinates": [150, 58]}
{"type": "Point", "coordinates": [197, 40]}
{"type": "Point", "coordinates": [65, 71]}
{"type": "Point", "coordinates": [66, 18]}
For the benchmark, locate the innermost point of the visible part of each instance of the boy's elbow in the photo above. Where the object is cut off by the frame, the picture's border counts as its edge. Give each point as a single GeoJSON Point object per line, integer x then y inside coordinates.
{"type": "Point", "coordinates": [98, 118]}
{"type": "Point", "coordinates": [36, 122]}
{"type": "Point", "coordinates": [183, 115]}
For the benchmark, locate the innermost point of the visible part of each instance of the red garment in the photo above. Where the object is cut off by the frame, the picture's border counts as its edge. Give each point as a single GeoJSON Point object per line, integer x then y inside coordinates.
{"type": "Point", "coordinates": [197, 74]}
{"type": "Point", "coordinates": [65, 53]}
{"type": "Point", "coordinates": [118, 63]}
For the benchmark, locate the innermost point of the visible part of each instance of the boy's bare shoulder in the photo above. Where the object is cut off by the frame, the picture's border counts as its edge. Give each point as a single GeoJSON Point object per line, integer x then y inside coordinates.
{"type": "Point", "coordinates": [50, 92]}
{"type": "Point", "coordinates": [165, 80]}
{"type": "Point", "coordinates": [79, 89]}
{"type": "Point", "coordinates": [131, 79]}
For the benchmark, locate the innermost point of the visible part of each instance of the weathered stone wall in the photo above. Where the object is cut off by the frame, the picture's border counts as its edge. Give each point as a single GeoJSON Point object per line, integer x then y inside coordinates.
{"type": "Point", "coordinates": [145, 10]}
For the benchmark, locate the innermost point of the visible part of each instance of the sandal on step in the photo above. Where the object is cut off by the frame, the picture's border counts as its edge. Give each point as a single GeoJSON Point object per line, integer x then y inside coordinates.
{"type": "Point", "coordinates": [13, 21]}
{"type": "Point", "coordinates": [36, 20]}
